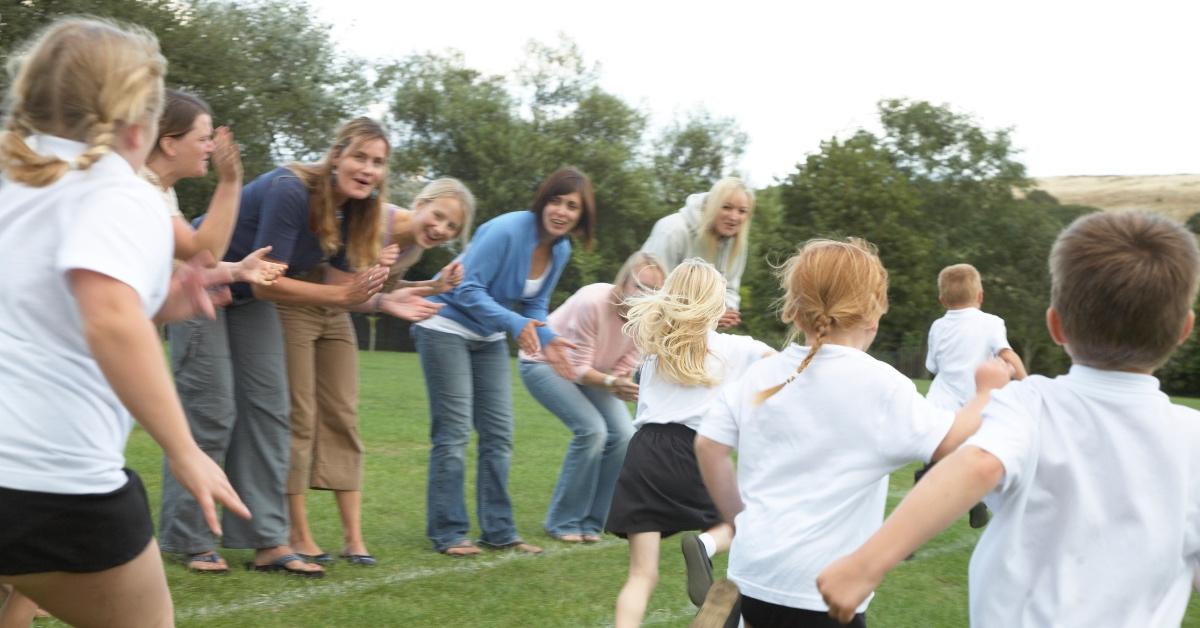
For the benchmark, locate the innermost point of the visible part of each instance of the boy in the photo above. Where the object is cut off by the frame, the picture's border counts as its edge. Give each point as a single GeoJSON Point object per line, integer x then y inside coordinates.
{"type": "Point", "coordinates": [1092, 475]}
{"type": "Point", "coordinates": [960, 341]}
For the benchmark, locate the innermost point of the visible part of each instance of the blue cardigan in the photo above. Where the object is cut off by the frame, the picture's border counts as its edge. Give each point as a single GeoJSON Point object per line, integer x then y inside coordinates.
{"type": "Point", "coordinates": [496, 265]}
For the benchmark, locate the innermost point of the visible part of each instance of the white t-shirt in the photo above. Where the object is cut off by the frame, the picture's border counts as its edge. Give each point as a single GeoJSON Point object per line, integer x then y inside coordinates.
{"type": "Point", "coordinates": [1097, 520]}
{"type": "Point", "coordinates": [663, 401]}
{"type": "Point", "coordinates": [62, 429]}
{"type": "Point", "coordinates": [958, 343]}
{"type": "Point", "coordinates": [813, 463]}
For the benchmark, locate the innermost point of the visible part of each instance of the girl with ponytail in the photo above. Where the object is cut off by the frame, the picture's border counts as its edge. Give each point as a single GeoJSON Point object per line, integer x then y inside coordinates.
{"type": "Point", "coordinates": [659, 491]}
{"type": "Point", "coordinates": [80, 358]}
{"type": "Point", "coordinates": [818, 428]}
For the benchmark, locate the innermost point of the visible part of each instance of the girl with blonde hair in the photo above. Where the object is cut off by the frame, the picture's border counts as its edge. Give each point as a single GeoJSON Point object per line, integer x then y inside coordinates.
{"type": "Point", "coordinates": [818, 428]}
{"type": "Point", "coordinates": [659, 491]}
{"type": "Point", "coordinates": [321, 220]}
{"type": "Point", "coordinates": [714, 226]}
{"type": "Point", "coordinates": [80, 358]}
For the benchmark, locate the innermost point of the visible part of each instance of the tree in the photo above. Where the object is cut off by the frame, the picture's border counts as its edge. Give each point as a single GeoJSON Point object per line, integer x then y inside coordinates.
{"type": "Point", "coordinates": [694, 153]}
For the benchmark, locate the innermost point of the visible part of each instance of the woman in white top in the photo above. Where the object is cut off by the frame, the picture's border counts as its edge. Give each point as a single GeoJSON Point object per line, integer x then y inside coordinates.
{"type": "Point", "coordinates": [818, 428]}
{"type": "Point", "coordinates": [659, 491]}
{"type": "Point", "coordinates": [79, 354]}
{"type": "Point", "coordinates": [714, 226]}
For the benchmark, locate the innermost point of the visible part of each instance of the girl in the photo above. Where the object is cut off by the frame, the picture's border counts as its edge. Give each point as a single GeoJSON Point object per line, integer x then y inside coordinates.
{"type": "Point", "coordinates": [79, 354]}
{"type": "Point", "coordinates": [185, 143]}
{"type": "Point", "coordinates": [512, 266]}
{"type": "Point", "coordinates": [593, 403]}
{"type": "Point", "coordinates": [714, 226]}
{"type": "Point", "coordinates": [818, 428]}
{"type": "Point", "coordinates": [308, 213]}
{"type": "Point", "coordinates": [659, 491]}
{"type": "Point", "coordinates": [326, 450]}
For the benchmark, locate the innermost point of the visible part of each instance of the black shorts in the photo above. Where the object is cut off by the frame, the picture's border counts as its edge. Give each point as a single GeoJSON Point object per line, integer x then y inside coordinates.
{"type": "Point", "coordinates": [41, 532]}
{"type": "Point", "coordinates": [660, 488]}
{"type": "Point", "coordinates": [760, 614]}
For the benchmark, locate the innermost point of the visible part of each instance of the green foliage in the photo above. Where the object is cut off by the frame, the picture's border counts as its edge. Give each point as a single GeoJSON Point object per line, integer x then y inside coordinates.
{"type": "Point", "coordinates": [694, 153]}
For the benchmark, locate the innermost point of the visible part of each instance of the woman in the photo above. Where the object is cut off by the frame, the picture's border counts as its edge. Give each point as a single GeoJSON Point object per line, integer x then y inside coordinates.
{"type": "Point", "coordinates": [592, 404]}
{"type": "Point", "coordinates": [326, 450]}
{"type": "Point", "coordinates": [308, 214]}
{"type": "Point", "coordinates": [80, 358]}
{"type": "Point", "coordinates": [714, 226]}
{"type": "Point", "coordinates": [512, 266]}
{"type": "Point", "coordinates": [185, 143]}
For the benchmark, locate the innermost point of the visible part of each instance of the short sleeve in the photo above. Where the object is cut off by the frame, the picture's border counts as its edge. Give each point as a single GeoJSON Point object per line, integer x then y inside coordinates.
{"type": "Point", "coordinates": [911, 428]}
{"type": "Point", "coordinates": [124, 235]}
{"type": "Point", "coordinates": [930, 355]}
{"type": "Point", "coordinates": [720, 422]}
{"type": "Point", "coordinates": [1008, 431]}
{"type": "Point", "coordinates": [743, 351]}
{"type": "Point", "coordinates": [284, 216]}
{"type": "Point", "coordinates": [999, 337]}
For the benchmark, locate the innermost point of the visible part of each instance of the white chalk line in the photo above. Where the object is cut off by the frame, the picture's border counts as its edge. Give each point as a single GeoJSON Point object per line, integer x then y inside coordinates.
{"type": "Point", "coordinates": [324, 588]}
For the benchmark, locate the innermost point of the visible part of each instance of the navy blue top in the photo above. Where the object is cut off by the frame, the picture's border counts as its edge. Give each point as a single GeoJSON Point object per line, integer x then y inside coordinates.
{"type": "Point", "coordinates": [274, 211]}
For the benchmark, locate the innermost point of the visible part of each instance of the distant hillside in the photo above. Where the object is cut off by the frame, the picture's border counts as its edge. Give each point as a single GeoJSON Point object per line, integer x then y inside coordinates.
{"type": "Point", "coordinates": [1176, 195]}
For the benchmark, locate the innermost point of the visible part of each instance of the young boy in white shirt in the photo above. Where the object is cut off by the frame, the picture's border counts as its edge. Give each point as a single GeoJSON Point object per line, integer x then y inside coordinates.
{"type": "Point", "coordinates": [1092, 475]}
{"type": "Point", "coordinates": [960, 341]}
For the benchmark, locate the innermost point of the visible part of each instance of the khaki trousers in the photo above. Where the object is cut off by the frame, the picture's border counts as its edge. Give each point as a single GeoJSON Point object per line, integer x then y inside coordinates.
{"type": "Point", "coordinates": [322, 370]}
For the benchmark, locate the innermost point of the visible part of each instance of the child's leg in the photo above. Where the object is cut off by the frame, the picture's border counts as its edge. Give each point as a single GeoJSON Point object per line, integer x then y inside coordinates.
{"type": "Point", "coordinates": [722, 534]}
{"type": "Point", "coordinates": [643, 577]}
{"type": "Point", "coordinates": [697, 556]}
{"type": "Point", "coordinates": [17, 611]}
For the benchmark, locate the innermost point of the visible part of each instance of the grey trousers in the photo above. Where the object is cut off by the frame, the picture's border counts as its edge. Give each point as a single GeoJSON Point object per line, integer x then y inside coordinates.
{"type": "Point", "coordinates": [232, 380]}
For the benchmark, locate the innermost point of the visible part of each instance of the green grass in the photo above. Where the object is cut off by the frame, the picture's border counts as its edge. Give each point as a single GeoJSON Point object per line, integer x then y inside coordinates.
{"type": "Point", "coordinates": [567, 586]}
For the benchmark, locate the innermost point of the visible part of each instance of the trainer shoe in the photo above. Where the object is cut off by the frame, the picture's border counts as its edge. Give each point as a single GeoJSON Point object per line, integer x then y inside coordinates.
{"type": "Point", "coordinates": [979, 515]}
{"type": "Point", "coordinates": [699, 568]}
{"type": "Point", "coordinates": [719, 607]}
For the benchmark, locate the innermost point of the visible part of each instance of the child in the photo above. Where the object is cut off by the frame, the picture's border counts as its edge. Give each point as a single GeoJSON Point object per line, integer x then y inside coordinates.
{"type": "Point", "coordinates": [80, 358]}
{"type": "Point", "coordinates": [959, 342]}
{"type": "Point", "coordinates": [659, 491]}
{"type": "Point", "coordinates": [1092, 475]}
{"type": "Point", "coordinates": [818, 428]}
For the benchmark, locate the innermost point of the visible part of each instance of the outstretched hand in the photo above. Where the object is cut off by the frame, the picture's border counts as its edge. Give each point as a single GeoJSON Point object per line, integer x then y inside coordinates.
{"type": "Point", "coordinates": [450, 276]}
{"type": "Point", "coordinates": [555, 353]}
{"type": "Point", "coordinates": [389, 254]}
{"type": "Point", "coordinates": [227, 156]}
{"type": "Point", "coordinates": [364, 285]}
{"type": "Point", "coordinates": [408, 304]}
{"type": "Point", "coordinates": [197, 473]}
{"type": "Point", "coordinates": [202, 287]}
{"type": "Point", "coordinates": [255, 268]}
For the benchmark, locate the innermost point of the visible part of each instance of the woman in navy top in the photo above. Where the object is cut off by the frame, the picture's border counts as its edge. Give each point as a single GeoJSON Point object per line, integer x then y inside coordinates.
{"type": "Point", "coordinates": [512, 266]}
{"type": "Point", "coordinates": [231, 372]}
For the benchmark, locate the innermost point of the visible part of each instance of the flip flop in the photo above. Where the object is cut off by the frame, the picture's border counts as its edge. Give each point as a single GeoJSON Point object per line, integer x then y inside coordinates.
{"type": "Point", "coordinates": [279, 565]}
{"type": "Point", "coordinates": [208, 557]}
{"type": "Point", "coordinates": [365, 560]}
{"type": "Point", "coordinates": [324, 558]}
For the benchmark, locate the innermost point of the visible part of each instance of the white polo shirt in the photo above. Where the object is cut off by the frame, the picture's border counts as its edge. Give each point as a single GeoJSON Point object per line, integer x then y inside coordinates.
{"type": "Point", "coordinates": [958, 343]}
{"type": "Point", "coordinates": [664, 401]}
{"type": "Point", "coordinates": [62, 429]}
{"type": "Point", "coordinates": [1097, 520]}
{"type": "Point", "coordinates": [813, 463]}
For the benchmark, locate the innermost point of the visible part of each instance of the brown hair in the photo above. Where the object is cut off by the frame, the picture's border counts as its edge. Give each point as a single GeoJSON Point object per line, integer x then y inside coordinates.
{"type": "Point", "coordinates": [959, 285]}
{"type": "Point", "coordinates": [180, 110]}
{"type": "Point", "coordinates": [565, 181]}
{"type": "Point", "coordinates": [1123, 284]}
{"type": "Point", "coordinates": [82, 79]}
{"type": "Point", "coordinates": [830, 285]}
{"type": "Point", "coordinates": [363, 216]}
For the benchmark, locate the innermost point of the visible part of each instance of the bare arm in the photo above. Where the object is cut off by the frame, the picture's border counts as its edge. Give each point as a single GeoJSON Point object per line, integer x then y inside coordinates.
{"type": "Point", "coordinates": [1014, 360]}
{"type": "Point", "coordinates": [989, 376]}
{"type": "Point", "coordinates": [217, 229]}
{"type": "Point", "coordinates": [352, 292]}
{"type": "Point", "coordinates": [946, 493]}
{"type": "Point", "coordinates": [195, 290]}
{"type": "Point", "coordinates": [622, 386]}
{"type": "Point", "coordinates": [716, 467]}
{"type": "Point", "coordinates": [126, 347]}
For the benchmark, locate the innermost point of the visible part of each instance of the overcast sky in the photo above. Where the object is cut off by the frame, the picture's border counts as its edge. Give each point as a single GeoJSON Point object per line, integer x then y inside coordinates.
{"type": "Point", "coordinates": [1089, 87]}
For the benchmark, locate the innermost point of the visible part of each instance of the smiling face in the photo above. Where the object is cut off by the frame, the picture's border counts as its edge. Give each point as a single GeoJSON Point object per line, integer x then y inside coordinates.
{"type": "Point", "coordinates": [561, 214]}
{"type": "Point", "coordinates": [437, 220]}
{"type": "Point", "coordinates": [732, 215]}
{"type": "Point", "coordinates": [360, 168]}
{"type": "Point", "coordinates": [188, 153]}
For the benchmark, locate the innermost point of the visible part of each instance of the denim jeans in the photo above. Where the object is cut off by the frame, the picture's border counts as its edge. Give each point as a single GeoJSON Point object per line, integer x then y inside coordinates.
{"type": "Point", "coordinates": [601, 428]}
{"type": "Point", "coordinates": [469, 383]}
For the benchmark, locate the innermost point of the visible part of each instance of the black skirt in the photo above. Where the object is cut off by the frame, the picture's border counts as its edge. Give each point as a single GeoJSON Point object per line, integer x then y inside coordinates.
{"type": "Point", "coordinates": [42, 532]}
{"type": "Point", "coordinates": [660, 488]}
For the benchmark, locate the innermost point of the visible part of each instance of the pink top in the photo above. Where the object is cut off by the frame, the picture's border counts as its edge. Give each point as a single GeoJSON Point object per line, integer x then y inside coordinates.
{"type": "Point", "coordinates": [589, 320]}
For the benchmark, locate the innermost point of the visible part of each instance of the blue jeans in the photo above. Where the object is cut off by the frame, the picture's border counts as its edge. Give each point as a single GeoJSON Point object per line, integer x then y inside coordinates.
{"type": "Point", "coordinates": [601, 428]}
{"type": "Point", "coordinates": [469, 383]}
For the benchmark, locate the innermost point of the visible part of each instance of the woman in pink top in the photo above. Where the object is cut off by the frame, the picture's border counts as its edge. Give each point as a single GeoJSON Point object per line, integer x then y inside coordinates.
{"type": "Point", "coordinates": [593, 405]}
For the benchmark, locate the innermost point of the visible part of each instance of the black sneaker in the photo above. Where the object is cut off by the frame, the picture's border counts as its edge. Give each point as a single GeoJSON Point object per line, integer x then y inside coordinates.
{"type": "Point", "coordinates": [979, 515]}
{"type": "Point", "coordinates": [699, 568]}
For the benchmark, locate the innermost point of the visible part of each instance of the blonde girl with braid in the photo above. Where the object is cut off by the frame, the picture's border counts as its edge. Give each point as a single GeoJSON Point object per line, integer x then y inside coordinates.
{"type": "Point", "coordinates": [80, 358]}
{"type": "Point", "coordinates": [659, 491]}
{"type": "Point", "coordinates": [818, 428]}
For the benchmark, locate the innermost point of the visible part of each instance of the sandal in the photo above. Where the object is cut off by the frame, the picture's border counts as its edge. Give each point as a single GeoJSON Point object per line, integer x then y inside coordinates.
{"type": "Point", "coordinates": [195, 563]}
{"type": "Point", "coordinates": [462, 548]}
{"type": "Point", "coordinates": [280, 565]}
{"type": "Point", "coordinates": [324, 558]}
{"type": "Point", "coordinates": [364, 560]}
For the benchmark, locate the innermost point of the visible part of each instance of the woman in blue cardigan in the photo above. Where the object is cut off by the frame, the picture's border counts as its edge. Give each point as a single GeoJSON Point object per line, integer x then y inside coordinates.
{"type": "Point", "coordinates": [512, 265]}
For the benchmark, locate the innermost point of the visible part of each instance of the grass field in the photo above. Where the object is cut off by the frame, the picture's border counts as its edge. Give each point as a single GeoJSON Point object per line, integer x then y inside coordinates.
{"type": "Point", "coordinates": [567, 586]}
